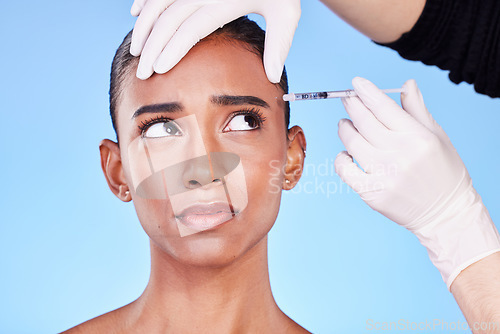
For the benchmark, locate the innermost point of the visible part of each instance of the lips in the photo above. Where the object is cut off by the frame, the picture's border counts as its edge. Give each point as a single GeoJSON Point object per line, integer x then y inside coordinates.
{"type": "Point", "coordinates": [205, 216]}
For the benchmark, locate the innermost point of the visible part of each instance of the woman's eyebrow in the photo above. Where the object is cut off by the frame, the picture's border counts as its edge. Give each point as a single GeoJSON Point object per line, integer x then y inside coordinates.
{"type": "Point", "coordinates": [158, 108]}
{"type": "Point", "coordinates": [231, 100]}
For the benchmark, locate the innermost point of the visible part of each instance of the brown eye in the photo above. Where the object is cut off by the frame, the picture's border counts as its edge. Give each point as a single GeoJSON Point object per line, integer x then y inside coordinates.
{"type": "Point", "coordinates": [242, 123]}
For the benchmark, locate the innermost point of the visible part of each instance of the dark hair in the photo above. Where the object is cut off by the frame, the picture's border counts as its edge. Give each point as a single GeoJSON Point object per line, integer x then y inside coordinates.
{"type": "Point", "coordinates": [242, 30]}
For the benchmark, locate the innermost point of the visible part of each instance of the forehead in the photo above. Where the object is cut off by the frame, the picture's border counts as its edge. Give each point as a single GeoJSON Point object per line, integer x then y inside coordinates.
{"type": "Point", "coordinates": [212, 67]}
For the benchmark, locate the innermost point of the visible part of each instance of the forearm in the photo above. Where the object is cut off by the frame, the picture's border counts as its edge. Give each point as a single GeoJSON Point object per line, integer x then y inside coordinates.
{"type": "Point", "coordinates": [383, 21]}
{"type": "Point", "coordinates": [477, 291]}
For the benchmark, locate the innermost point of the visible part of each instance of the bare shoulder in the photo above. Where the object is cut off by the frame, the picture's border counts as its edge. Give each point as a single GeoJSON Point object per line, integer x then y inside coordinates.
{"type": "Point", "coordinates": [298, 329]}
{"type": "Point", "coordinates": [110, 322]}
{"type": "Point", "coordinates": [293, 327]}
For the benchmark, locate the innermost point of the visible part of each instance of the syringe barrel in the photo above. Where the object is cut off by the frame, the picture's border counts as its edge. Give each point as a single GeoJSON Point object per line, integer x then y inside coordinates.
{"type": "Point", "coordinates": [311, 96]}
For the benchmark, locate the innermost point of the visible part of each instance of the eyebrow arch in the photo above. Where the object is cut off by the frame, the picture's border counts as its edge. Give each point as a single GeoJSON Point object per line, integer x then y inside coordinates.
{"type": "Point", "coordinates": [234, 100]}
{"type": "Point", "coordinates": [157, 108]}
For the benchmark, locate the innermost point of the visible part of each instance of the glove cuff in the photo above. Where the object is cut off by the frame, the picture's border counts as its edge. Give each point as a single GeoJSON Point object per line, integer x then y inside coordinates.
{"type": "Point", "coordinates": [461, 236]}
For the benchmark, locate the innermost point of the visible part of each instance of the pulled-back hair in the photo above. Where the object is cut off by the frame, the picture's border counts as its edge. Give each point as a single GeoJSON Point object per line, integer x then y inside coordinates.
{"type": "Point", "coordinates": [242, 30]}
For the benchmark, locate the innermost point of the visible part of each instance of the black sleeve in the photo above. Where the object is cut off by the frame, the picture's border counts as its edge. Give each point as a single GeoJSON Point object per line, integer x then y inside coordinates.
{"type": "Point", "coordinates": [461, 36]}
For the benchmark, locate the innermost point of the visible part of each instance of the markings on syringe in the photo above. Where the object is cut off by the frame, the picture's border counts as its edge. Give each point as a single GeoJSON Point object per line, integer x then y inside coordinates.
{"type": "Point", "coordinates": [321, 95]}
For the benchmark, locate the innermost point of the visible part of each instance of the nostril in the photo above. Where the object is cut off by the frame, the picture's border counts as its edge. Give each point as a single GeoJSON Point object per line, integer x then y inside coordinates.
{"type": "Point", "coordinates": [194, 183]}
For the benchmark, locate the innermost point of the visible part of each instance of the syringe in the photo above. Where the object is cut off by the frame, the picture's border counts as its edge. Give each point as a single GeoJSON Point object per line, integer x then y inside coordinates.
{"type": "Point", "coordinates": [330, 95]}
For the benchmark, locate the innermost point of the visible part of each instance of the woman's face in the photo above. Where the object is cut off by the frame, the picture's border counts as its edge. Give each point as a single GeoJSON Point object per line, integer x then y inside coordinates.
{"type": "Point", "coordinates": [204, 152]}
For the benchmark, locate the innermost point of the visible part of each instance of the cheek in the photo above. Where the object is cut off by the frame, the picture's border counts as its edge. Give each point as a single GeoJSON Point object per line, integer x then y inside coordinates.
{"type": "Point", "coordinates": [156, 217]}
{"type": "Point", "coordinates": [157, 220]}
{"type": "Point", "coordinates": [264, 177]}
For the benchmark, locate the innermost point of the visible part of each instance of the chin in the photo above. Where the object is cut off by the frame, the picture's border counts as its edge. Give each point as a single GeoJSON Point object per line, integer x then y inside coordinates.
{"type": "Point", "coordinates": [210, 255]}
{"type": "Point", "coordinates": [216, 248]}
{"type": "Point", "coordinates": [205, 249]}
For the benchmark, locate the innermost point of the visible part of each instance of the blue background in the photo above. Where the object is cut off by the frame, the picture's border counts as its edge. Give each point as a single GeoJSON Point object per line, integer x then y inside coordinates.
{"type": "Point", "coordinates": [71, 251]}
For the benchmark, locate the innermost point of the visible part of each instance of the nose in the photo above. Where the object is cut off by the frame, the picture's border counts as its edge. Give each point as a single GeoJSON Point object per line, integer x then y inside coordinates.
{"type": "Point", "coordinates": [198, 172]}
{"type": "Point", "coordinates": [211, 168]}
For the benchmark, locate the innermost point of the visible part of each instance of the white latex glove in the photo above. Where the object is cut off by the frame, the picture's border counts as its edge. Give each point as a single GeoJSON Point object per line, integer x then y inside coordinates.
{"type": "Point", "coordinates": [167, 29]}
{"type": "Point", "coordinates": [413, 175]}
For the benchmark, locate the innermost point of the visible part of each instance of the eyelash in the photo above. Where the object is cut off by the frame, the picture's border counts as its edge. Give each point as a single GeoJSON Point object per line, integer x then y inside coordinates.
{"type": "Point", "coordinates": [151, 121]}
{"type": "Point", "coordinates": [161, 119]}
{"type": "Point", "coordinates": [250, 112]}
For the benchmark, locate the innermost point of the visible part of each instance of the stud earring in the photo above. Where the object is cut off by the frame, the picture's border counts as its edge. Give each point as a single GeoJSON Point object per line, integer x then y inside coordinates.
{"type": "Point", "coordinates": [127, 193]}
{"type": "Point", "coordinates": [287, 181]}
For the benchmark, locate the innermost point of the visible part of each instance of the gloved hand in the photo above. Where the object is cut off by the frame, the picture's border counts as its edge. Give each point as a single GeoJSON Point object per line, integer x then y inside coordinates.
{"type": "Point", "coordinates": [413, 175]}
{"type": "Point", "coordinates": [167, 29]}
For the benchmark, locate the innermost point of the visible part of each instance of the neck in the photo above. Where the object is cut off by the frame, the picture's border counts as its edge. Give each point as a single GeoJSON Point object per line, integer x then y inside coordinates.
{"type": "Point", "coordinates": [233, 298]}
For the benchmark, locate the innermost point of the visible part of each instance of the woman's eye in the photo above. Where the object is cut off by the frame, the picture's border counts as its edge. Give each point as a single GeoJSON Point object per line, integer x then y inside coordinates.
{"type": "Point", "coordinates": [162, 129]}
{"type": "Point", "coordinates": [242, 123]}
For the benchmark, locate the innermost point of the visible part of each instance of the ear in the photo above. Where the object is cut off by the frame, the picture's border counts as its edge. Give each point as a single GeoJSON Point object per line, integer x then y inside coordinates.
{"type": "Point", "coordinates": [111, 164]}
{"type": "Point", "coordinates": [295, 157]}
